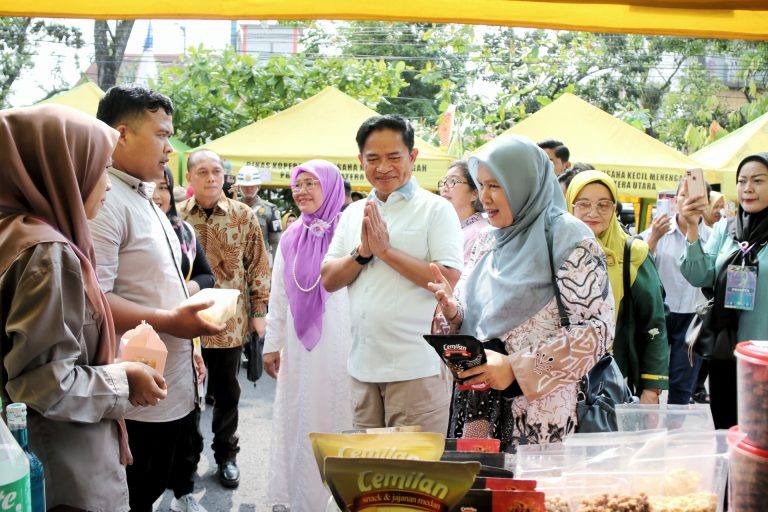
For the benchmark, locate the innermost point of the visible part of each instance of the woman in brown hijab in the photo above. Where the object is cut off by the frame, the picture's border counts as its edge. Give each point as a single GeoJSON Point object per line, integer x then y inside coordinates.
{"type": "Point", "coordinates": [57, 341]}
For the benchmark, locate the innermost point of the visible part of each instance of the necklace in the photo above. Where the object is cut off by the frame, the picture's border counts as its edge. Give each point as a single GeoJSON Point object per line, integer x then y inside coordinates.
{"type": "Point", "coordinates": [305, 290]}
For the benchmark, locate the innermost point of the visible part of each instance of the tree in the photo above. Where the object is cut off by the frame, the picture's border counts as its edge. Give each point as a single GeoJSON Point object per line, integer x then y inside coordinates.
{"type": "Point", "coordinates": [217, 93]}
{"type": "Point", "coordinates": [19, 40]}
{"type": "Point", "coordinates": [109, 49]}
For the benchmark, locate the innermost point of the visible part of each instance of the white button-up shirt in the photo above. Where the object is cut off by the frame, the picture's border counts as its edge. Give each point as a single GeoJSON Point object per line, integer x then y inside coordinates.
{"type": "Point", "coordinates": [681, 296]}
{"type": "Point", "coordinates": [389, 313]}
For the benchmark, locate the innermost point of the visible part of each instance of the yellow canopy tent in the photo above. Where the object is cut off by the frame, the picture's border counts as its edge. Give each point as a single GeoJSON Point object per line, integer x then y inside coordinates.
{"type": "Point", "coordinates": [741, 19]}
{"type": "Point", "coordinates": [85, 97]}
{"type": "Point", "coordinates": [725, 154]}
{"type": "Point", "coordinates": [640, 164]}
{"type": "Point", "coordinates": [323, 126]}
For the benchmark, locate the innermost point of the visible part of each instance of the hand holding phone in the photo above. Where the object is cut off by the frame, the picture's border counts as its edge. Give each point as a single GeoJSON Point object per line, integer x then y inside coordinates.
{"type": "Point", "coordinates": [696, 185]}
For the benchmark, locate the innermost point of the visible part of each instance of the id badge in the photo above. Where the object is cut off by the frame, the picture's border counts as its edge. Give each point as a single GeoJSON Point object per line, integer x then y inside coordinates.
{"type": "Point", "coordinates": [740, 285]}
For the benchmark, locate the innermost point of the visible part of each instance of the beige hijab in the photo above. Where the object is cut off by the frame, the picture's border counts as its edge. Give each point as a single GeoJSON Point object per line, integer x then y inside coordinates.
{"type": "Point", "coordinates": [52, 158]}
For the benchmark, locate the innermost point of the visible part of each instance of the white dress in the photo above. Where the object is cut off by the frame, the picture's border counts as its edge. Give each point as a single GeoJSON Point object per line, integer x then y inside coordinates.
{"type": "Point", "coordinates": [313, 395]}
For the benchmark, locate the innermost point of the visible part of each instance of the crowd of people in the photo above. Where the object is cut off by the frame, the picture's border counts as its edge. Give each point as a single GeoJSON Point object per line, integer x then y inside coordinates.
{"type": "Point", "coordinates": [520, 249]}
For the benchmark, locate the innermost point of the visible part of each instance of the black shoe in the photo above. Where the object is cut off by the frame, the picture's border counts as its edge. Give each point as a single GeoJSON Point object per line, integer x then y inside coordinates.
{"type": "Point", "coordinates": [700, 397]}
{"type": "Point", "coordinates": [229, 475]}
{"type": "Point", "coordinates": [209, 399]}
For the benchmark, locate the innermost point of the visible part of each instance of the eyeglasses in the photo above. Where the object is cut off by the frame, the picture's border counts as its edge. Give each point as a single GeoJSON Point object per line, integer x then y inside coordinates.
{"type": "Point", "coordinates": [603, 207]}
{"type": "Point", "coordinates": [305, 185]}
{"type": "Point", "coordinates": [449, 183]}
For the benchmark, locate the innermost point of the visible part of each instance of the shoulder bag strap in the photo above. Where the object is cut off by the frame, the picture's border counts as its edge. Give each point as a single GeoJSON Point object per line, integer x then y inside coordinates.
{"type": "Point", "coordinates": [564, 321]}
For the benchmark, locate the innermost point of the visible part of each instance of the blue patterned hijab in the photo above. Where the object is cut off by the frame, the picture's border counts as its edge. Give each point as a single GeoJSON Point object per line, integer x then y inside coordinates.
{"type": "Point", "coordinates": [513, 281]}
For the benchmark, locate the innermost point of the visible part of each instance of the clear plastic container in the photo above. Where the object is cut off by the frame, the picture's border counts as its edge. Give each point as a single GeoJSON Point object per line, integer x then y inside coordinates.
{"type": "Point", "coordinates": [752, 384]}
{"type": "Point", "coordinates": [635, 417]}
{"type": "Point", "coordinates": [748, 478]}
{"type": "Point", "coordinates": [539, 461]}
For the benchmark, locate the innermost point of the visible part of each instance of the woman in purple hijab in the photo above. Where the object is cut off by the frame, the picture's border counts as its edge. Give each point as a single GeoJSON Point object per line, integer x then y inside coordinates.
{"type": "Point", "coordinates": [307, 341]}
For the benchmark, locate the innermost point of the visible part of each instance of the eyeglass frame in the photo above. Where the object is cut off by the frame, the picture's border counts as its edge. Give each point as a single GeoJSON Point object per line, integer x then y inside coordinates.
{"type": "Point", "coordinates": [444, 183]}
{"type": "Point", "coordinates": [594, 206]}
{"type": "Point", "coordinates": [308, 186]}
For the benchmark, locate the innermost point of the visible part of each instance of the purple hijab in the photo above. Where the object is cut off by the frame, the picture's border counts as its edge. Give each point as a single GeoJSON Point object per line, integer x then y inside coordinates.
{"type": "Point", "coordinates": [303, 247]}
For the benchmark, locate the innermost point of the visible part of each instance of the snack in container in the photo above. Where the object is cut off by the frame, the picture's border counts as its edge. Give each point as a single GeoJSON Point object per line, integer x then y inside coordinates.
{"type": "Point", "coordinates": [752, 386]}
{"type": "Point", "coordinates": [224, 303]}
{"type": "Point", "coordinates": [748, 477]}
{"type": "Point", "coordinates": [143, 345]}
{"type": "Point", "coordinates": [397, 445]}
{"type": "Point", "coordinates": [390, 485]}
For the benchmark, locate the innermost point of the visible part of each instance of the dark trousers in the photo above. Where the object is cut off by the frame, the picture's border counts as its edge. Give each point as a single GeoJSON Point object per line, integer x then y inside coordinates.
{"type": "Point", "coordinates": [682, 376]}
{"type": "Point", "coordinates": [722, 392]}
{"type": "Point", "coordinates": [189, 446]}
{"type": "Point", "coordinates": [152, 446]}
{"type": "Point", "coordinates": [223, 366]}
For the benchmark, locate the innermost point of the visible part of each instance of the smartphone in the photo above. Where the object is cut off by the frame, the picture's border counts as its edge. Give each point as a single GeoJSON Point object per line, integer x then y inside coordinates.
{"type": "Point", "coordinates": [696, 185]}
{"type": "Point", "coordinates": [663, 207]}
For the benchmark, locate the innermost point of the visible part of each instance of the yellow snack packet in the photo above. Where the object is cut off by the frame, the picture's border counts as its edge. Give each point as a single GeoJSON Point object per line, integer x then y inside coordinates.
{"type": "Point", "coordinates": [387, 485]}
{"type": "Point", "coordinates": [395, 445]}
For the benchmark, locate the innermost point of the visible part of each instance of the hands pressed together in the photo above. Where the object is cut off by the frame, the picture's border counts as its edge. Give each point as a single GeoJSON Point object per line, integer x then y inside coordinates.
{"type": "Point", "coordinates": [374, 239]}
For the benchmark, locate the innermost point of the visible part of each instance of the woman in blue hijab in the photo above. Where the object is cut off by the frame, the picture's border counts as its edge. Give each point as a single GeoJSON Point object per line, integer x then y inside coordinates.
{"type": "Point", "coordinates": [507, 293]}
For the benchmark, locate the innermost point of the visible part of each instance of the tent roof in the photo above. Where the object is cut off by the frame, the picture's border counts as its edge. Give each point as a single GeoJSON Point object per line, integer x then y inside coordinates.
{"type": "Point", "coordinates": [741, 19]}
{"type": "Point", "coordinates": [633, 158]}
{"type": "Point", "coordinates": [725, 153]}
{"type": "Point", "coordinates": [84, 97]}
{"type": "Point", "coordinates": [322, 126]}
{"type": "Point", "coordinates": [596, 137]}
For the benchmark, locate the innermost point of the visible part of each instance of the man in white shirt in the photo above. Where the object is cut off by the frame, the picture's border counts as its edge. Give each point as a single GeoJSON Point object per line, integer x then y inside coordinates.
{"type": "Point", "coordinates": [381, 251]}
{"type": "Point", "coordinates": [667, 242]}
{"type": "Point", "coordinates": [138, 263]}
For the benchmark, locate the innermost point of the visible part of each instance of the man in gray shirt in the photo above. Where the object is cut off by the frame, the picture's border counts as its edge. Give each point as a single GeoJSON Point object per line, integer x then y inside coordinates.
{"type": "Point", "coordinates": [138, 263]}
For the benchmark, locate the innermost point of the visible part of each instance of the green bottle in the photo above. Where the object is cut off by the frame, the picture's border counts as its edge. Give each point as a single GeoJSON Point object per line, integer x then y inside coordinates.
{"type": "Point", "coordinates": [15, 490]}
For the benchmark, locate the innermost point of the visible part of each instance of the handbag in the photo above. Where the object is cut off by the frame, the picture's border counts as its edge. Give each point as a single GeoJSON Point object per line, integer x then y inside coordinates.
{"type": "Point", "coordinates": [255, 350]}
{"type": "Point", "coordinates": [708, 340]}
{"type": "Point", "coordinates": [603, 386]}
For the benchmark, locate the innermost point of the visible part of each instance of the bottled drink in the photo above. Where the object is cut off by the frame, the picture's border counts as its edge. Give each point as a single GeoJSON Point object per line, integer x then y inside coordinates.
{"type": "Point", "coordinates": [15, 493]}
{"type": "Point", "coordinates": [17, 424]}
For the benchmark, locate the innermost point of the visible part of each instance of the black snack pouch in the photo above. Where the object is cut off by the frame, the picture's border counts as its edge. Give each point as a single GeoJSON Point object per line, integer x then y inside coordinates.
{"type": "Point", "coordinates": [459, 352]}
{"type": "Point", "coordinates": [486, 459]}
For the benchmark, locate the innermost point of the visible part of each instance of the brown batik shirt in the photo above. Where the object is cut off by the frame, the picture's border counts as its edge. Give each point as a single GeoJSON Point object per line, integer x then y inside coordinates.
{"type": "Point", "coordinates": [233, 244]}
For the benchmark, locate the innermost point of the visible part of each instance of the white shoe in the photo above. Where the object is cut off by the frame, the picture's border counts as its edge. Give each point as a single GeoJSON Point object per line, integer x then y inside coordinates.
{"type": "Point", "coordinates": [187, 503]}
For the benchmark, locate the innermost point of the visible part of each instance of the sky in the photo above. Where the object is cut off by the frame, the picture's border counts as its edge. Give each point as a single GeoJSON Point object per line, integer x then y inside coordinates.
{"type": "Point", "coordinates": [169, 37]}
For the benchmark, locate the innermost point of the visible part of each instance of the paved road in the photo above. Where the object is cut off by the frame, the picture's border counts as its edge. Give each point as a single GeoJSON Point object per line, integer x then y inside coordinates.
{"type": "Point", "coordinates": [255, 429]}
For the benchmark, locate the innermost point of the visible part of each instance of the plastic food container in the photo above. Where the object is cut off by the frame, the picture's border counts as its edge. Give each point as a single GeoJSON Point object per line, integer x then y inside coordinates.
{"type": "Point", "coordinates": [752, 381]}
{"type": "Point", "coordinates": [224, 303]}
{"type": "Point", "coordinates": [748, 483]}
{"type": "Point", "coordinates": [694, 417]}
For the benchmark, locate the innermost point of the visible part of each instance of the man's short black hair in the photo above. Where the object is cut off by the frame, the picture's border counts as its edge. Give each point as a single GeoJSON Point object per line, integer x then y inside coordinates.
{"type": "Point", "coordinates": [562, 153]}
{"type": "Point", "coordinates": [549, 144]}
{"type": "Point", "coordinates": [125, 102]}
{"type": "Point", "coordinates": [392, 122]}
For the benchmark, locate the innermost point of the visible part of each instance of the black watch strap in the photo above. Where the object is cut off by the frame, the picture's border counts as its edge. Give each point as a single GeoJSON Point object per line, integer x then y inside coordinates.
{"type": "Point", "coordinates": [362, 260]}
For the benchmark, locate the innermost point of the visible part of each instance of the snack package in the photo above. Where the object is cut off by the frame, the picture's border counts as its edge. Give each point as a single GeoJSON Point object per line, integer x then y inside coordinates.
{"type": "Point", "coordinates": [473, 445]}
{"type": "Point", "coordinates": [386, 485]}
{"type": "Point", "coordinates": [143, 345]}
{"type": "Point", "coordinates": [383, 430]}
{"type": "Point", "coordinates": [495, 460]}
{"type": "Point", "coordinates": [459, 352]}
{"type": "Point", "coordinates": [477, 500]}
{"type": "Point", "coordinates": [397, 445]}
{"type": "Point", "coordinates": [503, 484]}
{"type": "Point", "coordinates": [224, 303]}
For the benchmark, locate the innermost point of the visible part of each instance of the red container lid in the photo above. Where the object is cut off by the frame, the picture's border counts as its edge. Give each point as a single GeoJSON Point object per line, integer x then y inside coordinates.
{"type": "Point", "coordinates": [753, 351]}
{"type": "Point", "coordinates": [737, 440]}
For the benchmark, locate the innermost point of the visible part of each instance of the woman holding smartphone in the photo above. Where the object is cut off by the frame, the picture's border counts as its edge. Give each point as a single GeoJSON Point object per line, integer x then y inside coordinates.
{"type": "Point", "coordinates": [740, 242]}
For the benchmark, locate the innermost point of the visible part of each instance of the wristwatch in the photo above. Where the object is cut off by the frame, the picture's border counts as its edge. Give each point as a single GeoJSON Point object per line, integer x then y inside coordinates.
{"type": "Point", "coordinates": [362, 260]}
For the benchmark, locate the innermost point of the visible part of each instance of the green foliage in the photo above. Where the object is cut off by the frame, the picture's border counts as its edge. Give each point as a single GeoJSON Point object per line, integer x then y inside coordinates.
{"type": "Point", "coordinates": [219, 92]}
{"type": "Point", "coordinates": [19, 39]}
